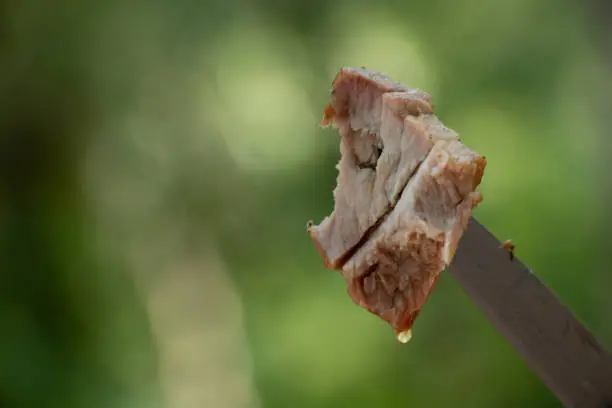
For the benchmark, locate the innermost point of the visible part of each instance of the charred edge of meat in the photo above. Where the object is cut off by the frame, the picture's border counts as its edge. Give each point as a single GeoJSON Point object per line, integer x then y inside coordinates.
{"type": "Point", "coordinates": [370, 231]}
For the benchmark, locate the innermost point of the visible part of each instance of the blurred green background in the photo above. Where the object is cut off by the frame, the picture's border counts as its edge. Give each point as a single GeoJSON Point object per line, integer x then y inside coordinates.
{"type": "Point", "coordinates": [159, 161]}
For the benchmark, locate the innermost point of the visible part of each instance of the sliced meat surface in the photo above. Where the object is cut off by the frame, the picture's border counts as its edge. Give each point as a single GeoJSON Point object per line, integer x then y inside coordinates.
{"type": "Point", "coordinates": [394, 271]}
{"type": "Point", "coordinates": [386, 131]}
{"type": "Point", "coordinates": [405, 192]}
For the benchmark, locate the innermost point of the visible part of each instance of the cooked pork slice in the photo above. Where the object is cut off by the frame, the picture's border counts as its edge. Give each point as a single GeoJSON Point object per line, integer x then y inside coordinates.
{"type": "Point", "coordinates": [405, 191]}
{"type": "Point", "coordinates": [387, 130]}
{"type": "Point", "coordinates": [394, 271]}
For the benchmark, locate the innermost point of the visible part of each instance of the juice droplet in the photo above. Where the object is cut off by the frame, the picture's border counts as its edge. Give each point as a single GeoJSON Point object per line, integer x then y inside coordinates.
{"type": "Point", "coordinates": [405, 336]}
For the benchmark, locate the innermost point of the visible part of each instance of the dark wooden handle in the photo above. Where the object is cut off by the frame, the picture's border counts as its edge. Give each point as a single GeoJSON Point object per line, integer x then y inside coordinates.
{"type": "Point", "coordinates": [566, 357]}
